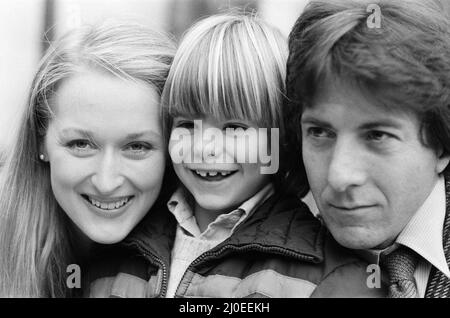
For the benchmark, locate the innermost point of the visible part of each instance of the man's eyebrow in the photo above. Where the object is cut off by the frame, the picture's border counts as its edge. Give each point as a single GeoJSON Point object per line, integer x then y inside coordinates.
{"type": "Point", "coordinates": [307, 119]}
{"type": "Point", "coordinates": [386, 123]}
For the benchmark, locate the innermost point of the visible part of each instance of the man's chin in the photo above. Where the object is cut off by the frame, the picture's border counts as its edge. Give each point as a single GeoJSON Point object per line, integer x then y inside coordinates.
{"type": "Point", "coordinates": [355, 238]}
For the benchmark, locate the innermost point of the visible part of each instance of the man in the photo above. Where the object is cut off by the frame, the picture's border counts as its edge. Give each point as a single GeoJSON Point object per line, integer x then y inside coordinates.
{"type": "Point", "coordinates": [369, 91]}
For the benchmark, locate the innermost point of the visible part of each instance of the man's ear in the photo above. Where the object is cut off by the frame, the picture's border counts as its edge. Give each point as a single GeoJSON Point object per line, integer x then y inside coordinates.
{"type": "Point", "coordinates": [442, 161]}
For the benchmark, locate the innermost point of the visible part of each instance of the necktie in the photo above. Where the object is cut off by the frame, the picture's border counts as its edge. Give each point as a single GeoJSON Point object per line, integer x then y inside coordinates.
{"type": "Point", "coordinates": [400, 265]}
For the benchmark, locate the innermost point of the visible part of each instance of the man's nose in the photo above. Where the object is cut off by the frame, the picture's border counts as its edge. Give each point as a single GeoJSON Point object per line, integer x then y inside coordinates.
{"type": "Point", "coordinates": [347, 168]}
{"type": "Point", "coordinates": [108, 178]}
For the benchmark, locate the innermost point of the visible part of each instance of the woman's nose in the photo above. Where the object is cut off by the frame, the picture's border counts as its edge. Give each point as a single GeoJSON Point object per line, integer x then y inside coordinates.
{"type": "Point", "coordinates": [108, 178]}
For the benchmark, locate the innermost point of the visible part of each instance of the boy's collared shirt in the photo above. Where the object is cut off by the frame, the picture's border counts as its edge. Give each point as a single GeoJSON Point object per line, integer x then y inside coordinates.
{"type": "Point", "coordinates": [225, 224]}
{"type": "Point", "coordinates": [422, 234]}
{"type": "Point", "coordinates": [190, 243]}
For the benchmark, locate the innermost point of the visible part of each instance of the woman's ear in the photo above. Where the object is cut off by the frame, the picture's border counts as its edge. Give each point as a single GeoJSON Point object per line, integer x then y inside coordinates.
{"type": "Point", "coordinates": [42, 152]}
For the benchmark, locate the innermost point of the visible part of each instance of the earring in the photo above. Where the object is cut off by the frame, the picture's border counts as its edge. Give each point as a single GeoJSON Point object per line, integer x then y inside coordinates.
{"type": "Point", "coordinates": [42, 157]}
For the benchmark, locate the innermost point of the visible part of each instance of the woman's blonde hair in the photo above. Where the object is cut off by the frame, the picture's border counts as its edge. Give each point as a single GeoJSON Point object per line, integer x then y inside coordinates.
{"type": "Point", "coordinates": [228, 66]}
{"type": "Point", "coordinates": [34, 231]}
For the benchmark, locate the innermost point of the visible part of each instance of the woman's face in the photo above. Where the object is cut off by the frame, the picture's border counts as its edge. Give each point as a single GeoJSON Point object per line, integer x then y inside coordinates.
{"type": "Point", "coordinates": [106, 153]}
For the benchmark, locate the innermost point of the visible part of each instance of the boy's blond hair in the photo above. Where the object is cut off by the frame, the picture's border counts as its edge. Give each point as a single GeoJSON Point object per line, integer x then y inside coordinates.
{"type": "Point", "coordinates": [229, 66]}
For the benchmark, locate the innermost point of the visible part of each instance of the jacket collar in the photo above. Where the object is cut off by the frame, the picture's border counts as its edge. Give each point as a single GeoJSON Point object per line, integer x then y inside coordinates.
{"type": "Point", "coordinates": [155, 234]}
{"type": "Point", "coordinates": [282, 221]}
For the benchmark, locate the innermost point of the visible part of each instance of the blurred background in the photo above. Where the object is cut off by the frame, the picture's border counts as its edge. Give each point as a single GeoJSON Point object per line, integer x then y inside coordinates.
{"type": "Point", "coordinates": [27, 27]}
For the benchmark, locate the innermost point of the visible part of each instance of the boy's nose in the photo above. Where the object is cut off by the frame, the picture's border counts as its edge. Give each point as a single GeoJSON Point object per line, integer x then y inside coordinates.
{"type": "Point", "coordinates": [209, 145]}
{"type": "Point", "coordinates": [108, 178]}
{"type": "Point", "coordinates": [346, 169]}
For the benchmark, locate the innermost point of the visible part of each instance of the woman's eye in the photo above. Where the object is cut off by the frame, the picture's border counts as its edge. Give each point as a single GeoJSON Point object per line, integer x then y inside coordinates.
{"type": "Point", "coordinates": [81, 147]}
{"type": "Point", "coordinates": [138, 148]}
{"type": "Point", "coordinates": [80, 144]}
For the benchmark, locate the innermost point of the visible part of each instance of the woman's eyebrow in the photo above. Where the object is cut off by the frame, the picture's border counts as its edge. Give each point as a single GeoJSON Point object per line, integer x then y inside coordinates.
{"type": "Point", "coordinates": [144, 133]}
{"type": "Point", "coordinates": [90, 135]}
{"type": "Point", "coordinates": [85, 133]}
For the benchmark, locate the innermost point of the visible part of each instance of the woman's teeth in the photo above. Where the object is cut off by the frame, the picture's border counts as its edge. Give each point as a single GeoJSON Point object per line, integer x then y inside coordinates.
{"type": "Point", "coordinates": [110, 205]}
{"type": "Point", "coordinates": [213, 173]}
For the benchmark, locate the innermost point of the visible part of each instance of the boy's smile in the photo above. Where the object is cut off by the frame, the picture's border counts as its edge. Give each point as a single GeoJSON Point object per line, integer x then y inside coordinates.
{"type": "Point", "coordinates": [210, 173]}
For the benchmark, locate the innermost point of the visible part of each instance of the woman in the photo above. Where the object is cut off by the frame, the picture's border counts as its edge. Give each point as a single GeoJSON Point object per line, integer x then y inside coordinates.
{"type": "Point", "coordinates": [89, 159]}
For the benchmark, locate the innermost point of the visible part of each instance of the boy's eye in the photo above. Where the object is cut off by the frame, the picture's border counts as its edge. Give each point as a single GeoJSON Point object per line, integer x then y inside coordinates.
{"type": "Point", "coordinates": [188, 124]}
{"type": "Point", "coordinates": [235, 126]}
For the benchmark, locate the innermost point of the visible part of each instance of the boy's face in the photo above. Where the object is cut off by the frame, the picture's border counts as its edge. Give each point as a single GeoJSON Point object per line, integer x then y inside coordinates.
{"type": "Point", "coordinates": [206, 160]}
{"type": "Point", "coordinates": [368, 170]}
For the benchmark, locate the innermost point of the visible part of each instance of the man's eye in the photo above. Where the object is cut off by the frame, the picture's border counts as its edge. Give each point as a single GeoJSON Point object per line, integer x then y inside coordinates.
{"type": "Point", "coordinates": [318, 132]}
{"type": "Point", "coordinates": [377, 136]}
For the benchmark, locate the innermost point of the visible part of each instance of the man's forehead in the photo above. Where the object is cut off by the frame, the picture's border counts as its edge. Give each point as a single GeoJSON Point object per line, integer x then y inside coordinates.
{"type": "Point", "coordinates": [334, 96]}
{"type": "Point", "coordinates": [361, 115]}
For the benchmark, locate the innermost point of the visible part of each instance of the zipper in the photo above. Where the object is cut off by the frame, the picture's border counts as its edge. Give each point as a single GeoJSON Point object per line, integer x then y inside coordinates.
{"type": "Point", "coordinates": [154, 260]}
{"type": "Point", "coordinates": [255, 247]}
{"type": "Point", "coordinates": [249, 247]}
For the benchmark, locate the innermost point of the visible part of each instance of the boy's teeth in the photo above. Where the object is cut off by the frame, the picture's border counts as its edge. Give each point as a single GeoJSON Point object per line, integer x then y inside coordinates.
{"type": "Point", "coordinates": [212, 173]}
{"type": "Point", "coordinates": [202, 173]}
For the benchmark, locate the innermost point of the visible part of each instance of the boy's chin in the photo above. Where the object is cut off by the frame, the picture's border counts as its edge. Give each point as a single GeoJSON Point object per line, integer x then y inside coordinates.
{"type": "Point", "coordinates": [214, 204]}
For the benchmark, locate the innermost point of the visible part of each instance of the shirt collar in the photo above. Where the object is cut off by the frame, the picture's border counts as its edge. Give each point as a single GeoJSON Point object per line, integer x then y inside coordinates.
{"type": "Point", "coordinates": [423, 233]}
{"type": "Point", "coordinates": [181, 206]}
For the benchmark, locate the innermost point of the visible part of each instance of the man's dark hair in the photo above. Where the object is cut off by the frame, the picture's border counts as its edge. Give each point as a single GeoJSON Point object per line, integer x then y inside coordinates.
{"type": "Point", "coordinates": [404, 65]}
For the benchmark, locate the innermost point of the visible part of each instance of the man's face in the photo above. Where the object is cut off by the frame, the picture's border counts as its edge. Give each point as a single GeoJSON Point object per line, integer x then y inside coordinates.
{"type": "Point", "coordinates": [367, 167]}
